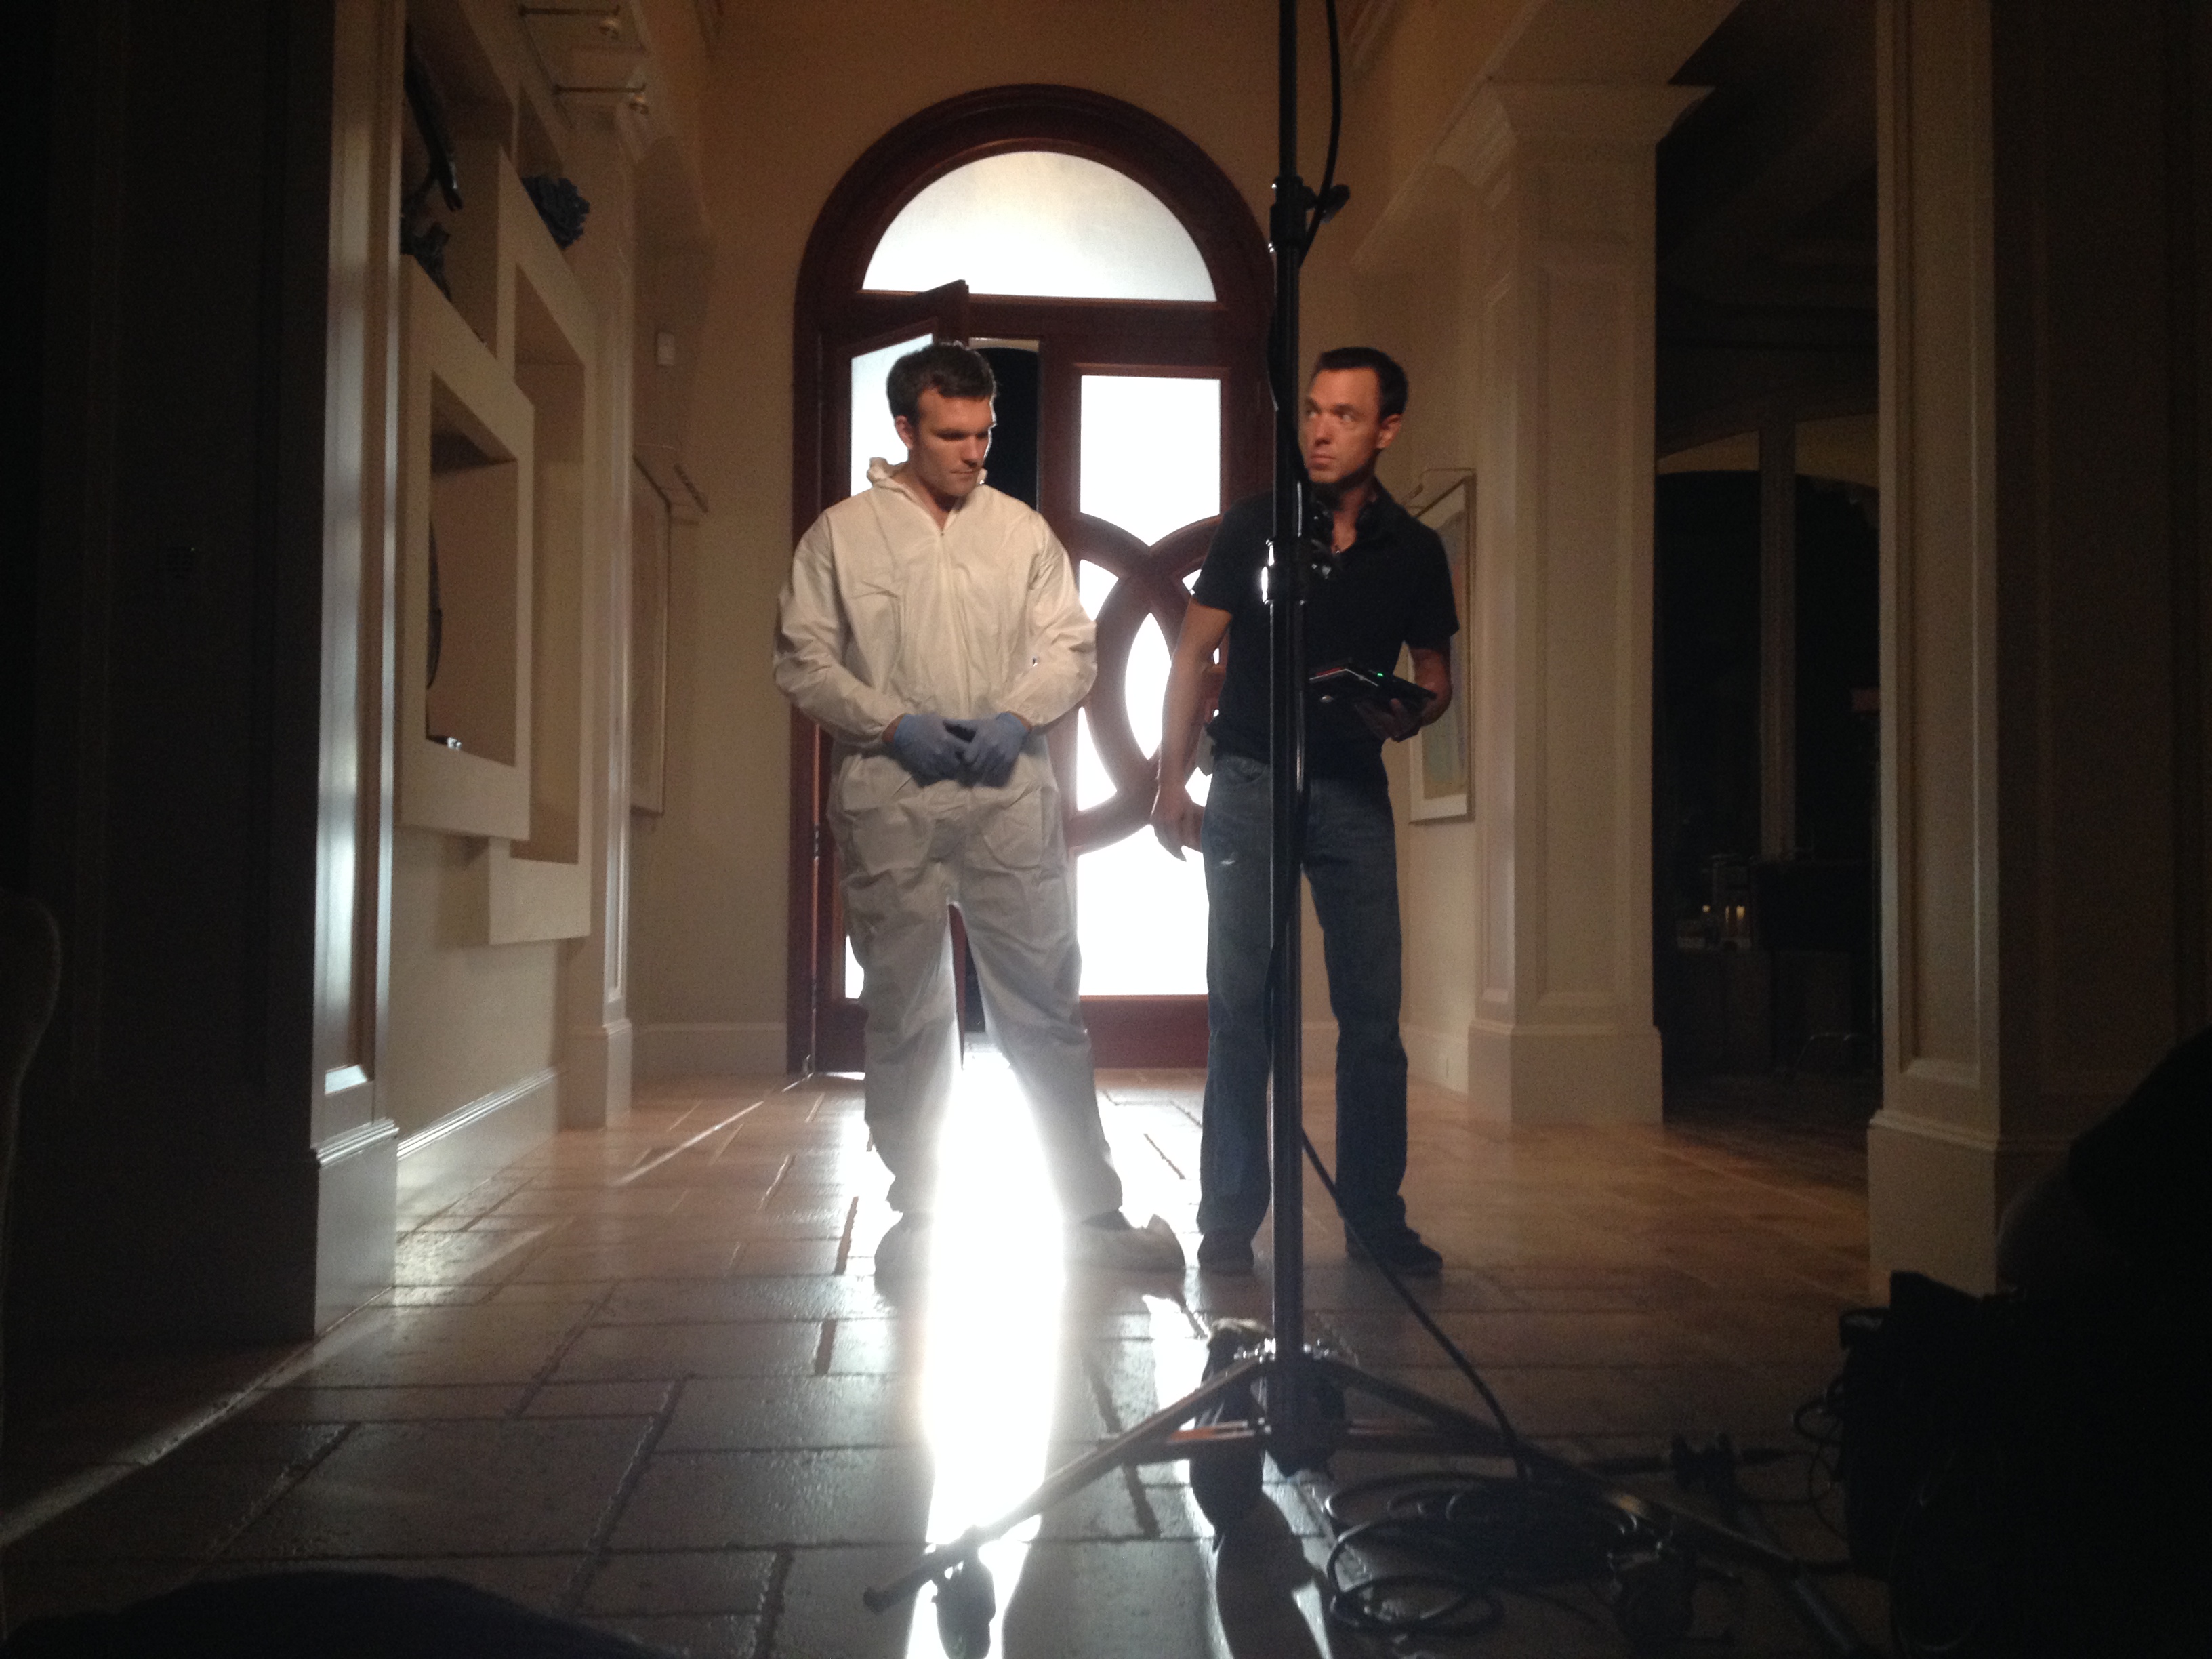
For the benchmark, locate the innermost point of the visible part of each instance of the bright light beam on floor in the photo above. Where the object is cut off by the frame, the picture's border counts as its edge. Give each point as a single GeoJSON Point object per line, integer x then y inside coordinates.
{"type": "Point", "coordinates": [993, 1345]}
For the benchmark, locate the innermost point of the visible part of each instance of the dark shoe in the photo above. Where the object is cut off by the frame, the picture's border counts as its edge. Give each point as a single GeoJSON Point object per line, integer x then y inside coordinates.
{"type": "Point", "coordinates": [902, 1252]}
{"type": "Point", "coordinates": [1402, 1252]}
{"type": "Point", "coordinates": [1224, 1253]}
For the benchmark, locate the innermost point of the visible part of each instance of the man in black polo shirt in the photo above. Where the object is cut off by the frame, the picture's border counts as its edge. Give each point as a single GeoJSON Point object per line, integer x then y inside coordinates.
{"type": "Point", "coordinates": [1388, 585]}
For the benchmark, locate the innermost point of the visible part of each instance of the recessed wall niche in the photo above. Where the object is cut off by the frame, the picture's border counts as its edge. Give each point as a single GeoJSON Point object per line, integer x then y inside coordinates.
{"type": "Point", "coordinates": [509, 369]}
{"type": "Point", "coordinates": [552, 375]}
{"type": "Point", "coordinates": [468, 700]}
{"type": "Point", "coordinates": [467, 476]}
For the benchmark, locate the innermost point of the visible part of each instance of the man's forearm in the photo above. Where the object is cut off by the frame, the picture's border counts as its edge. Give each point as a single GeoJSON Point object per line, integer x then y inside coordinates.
{"type": "Point", "coordinates": [1056, 682]}
{"type": "Point", "coordinates": [1178, 719]}
{"type": "Point", "coordinates": [830, 695]}
{"type": "Point", "coordinates": [1433, 672]}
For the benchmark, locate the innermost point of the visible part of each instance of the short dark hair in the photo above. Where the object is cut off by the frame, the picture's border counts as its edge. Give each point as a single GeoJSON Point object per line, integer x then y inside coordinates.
{"type": "Point", "coordinates": [948, 369]}
{"type": "Point", "coordinates": [1389, 378]}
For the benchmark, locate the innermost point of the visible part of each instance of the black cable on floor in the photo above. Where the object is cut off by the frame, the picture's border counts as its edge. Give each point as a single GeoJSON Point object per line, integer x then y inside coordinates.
{"type": "Point", "coordinates": [1455, 1544]}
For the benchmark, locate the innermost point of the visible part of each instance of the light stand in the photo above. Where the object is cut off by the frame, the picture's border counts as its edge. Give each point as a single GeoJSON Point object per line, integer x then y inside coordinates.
{"type": "Point", "coordinates": [1266, 1393]}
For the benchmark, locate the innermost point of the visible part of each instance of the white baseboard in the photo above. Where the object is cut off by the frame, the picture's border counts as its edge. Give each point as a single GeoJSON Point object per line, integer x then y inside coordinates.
{"type": "Point", "coordinates": [1436, 1056]}
{"type": "Point", "coordinates": [355, 1226]}
{"type": "Point", "coordinates": [596, 1071]}
{"type": "Point", "coordinates": [731, 1048]}
{"type": "Point", "coordinates": [468, 1145]}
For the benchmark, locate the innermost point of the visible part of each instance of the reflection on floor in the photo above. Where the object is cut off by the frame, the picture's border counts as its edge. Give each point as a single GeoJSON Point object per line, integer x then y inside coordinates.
{"type": "Point", "coordinates": [646, 1377]}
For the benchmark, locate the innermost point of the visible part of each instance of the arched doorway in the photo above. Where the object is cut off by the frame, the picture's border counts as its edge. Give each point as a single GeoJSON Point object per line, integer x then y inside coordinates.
{"type": "Point", "coordinates": [1173, 314]}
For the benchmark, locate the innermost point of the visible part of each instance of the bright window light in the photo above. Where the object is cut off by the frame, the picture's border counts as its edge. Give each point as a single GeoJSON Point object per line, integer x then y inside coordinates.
{"type": "Point", "coordinates": [1037, 221]}
{"type": "Point", "coordinates": [1140, 916]}
{"type": "Point", "coordinates": [1150, 461]}
{"type": "Point", "coordinates": [1150, 451]}
{"type": "Point", "coordinates": [873, 435]}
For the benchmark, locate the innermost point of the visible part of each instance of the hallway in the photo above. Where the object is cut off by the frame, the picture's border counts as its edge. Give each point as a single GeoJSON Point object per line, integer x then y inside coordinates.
{"type": "Point", "coordinates": [645, 1375]}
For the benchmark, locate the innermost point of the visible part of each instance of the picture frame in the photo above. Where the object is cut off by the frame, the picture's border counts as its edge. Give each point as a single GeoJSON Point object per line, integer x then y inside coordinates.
{"type": "Point", "coordinates": [1439, 759]}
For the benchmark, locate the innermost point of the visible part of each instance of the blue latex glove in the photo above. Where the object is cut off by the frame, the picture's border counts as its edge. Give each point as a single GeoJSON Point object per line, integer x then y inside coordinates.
{"type": "Point", "coordinates": [926, 747]}
{"type": "Point", "coordinates": [988, 756]}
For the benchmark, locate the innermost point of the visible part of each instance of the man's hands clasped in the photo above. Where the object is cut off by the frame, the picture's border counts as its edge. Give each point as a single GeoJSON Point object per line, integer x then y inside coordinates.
{"type": "Point", "coordinates": [934, 749]}
{"type": "Point", "coordinates": [988, 756]}
{"type": "Point", "coordinates": [925, 746]}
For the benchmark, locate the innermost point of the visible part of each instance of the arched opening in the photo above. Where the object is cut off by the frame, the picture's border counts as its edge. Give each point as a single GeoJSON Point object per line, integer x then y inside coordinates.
{"type": "Point", "coordinates": [1120, 283]}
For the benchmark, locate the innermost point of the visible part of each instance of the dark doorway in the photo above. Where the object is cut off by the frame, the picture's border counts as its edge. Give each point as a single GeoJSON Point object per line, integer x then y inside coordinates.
{"type": "Point", "coordinates": [1013, 462]}
{"type": "Point", "coordinates": [1765, 966]}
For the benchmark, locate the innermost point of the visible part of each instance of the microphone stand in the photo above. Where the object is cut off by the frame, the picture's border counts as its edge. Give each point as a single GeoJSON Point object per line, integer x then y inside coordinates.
{"type": "Point", "coordinates": [1267, 1392]}
{"type": "Point", "coordinates": [1290, 569]}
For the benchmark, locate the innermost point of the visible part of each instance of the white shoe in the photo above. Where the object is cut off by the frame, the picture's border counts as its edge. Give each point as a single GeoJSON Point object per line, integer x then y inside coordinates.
{"type": "Point", "coordinates": [903, 1250]}
{"type": "Point", "coordinates": [1151, 1249]}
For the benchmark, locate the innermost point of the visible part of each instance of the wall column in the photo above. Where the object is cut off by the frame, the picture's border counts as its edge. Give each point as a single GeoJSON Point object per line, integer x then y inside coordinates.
{"type": "Point", "coordinates": [596, 1048]}
{"type": "Point", "coordinates": [2043, 633]}
{"type": "Point", "coordinates": [1562, 326]}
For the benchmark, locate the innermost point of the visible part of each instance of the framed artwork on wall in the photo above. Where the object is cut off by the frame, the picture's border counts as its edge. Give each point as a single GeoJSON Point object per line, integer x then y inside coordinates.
{"type": "Point", "coordinates": [1439, 762]}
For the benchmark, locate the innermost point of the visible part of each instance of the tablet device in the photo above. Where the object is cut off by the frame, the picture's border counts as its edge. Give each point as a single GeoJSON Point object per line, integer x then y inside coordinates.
{"type": "Point", "coordinates": [1368, 685]}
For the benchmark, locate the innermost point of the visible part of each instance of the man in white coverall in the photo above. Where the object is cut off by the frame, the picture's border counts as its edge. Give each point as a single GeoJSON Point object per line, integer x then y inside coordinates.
{"type": "Point", "coordinates": [931, 625]}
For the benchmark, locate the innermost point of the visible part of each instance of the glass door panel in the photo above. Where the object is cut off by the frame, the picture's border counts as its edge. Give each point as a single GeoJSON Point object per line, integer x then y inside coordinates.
{"type": "Point", "coordinates": [1150, 460]}
{"type": "Point", "coordinates": [872, 432]}
{"type": "Point", "coordinates": [1150, 452]}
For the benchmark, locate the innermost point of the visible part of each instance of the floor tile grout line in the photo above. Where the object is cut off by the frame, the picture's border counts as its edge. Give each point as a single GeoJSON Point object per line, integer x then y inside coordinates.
{"type": "Point", "coordinates": [845, 1239]}
{"type": "Point", "coordinates": [776, 1181]}
{"type": "Point", "coordinates": [772, 1595]}
{"type": "Point", "coordinates": [294, 1474]}
{"type": "Point", "coordinates": [573, 1335]}
{"type": "Point", "coordinates": [1101, 1395]}
{"type": "Point", "coordinates": [1148, 1518]}
{"type": "Point", "coordinates": [595, 1548]}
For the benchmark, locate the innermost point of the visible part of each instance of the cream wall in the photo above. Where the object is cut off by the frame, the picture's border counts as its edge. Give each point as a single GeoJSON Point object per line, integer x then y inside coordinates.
{"type": "Point", "coordinates": [790, 101]}
{"type": "Point", "coordinates": [467, 1018]}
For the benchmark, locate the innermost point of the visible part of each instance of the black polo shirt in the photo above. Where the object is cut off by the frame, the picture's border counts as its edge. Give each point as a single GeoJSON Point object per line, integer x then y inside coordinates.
{"type": "Point", "coordinates": [1391, 587]}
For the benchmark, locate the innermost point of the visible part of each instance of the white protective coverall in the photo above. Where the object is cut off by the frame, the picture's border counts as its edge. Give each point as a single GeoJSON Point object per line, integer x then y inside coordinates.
{"type": "Point", "coordinates": [886, 615]}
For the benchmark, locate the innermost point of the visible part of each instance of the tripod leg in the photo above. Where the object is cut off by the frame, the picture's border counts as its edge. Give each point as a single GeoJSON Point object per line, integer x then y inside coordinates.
{"type": "Point", "coordinates": [1225, 1480]}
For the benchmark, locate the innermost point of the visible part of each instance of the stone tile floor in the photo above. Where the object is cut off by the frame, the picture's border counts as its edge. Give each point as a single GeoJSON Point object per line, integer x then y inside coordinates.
{"type": "Point", "coordinates": [645, 1377]}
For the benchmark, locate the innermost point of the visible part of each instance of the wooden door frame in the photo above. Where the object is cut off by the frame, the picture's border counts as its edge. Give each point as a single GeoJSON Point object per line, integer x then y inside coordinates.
{"type": "Point", "coordinates": [830, 308]}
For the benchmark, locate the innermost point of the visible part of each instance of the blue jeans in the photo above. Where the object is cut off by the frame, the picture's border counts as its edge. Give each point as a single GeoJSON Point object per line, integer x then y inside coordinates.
{"type": "Point", "coordinates": [1352, 863]}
